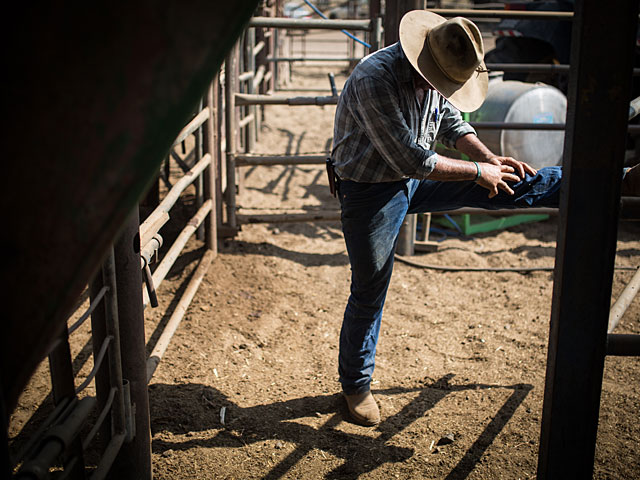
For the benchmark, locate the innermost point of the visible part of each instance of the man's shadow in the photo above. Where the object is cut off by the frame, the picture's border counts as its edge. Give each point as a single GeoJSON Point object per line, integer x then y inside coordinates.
{"type": "Point", "coordinates": [195, 407]}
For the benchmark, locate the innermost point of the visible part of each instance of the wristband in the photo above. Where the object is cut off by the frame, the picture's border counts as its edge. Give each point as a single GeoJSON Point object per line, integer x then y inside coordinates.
{"type": "Point", "coordinates": [478, 172]}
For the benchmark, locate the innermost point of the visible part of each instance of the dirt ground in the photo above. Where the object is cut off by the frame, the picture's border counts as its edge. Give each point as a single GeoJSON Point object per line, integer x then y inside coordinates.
{"type": "Point", "coordinates": [248, 387]}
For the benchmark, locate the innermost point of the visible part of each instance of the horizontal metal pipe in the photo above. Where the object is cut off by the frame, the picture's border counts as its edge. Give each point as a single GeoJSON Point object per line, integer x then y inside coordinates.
{"type": "Point", "coordinates": [522, 14]}
{"type": "Point", "coordinates": [288, 217]}
{"type": "Point", "coordinates": [178, 314]}
{"type": "Point", "coordinates": [162, 211]}
{"type": "Point", "coordinates": [623, 301]}
{"type": "Point", "coordinates": [314, 59]}
{"type": "Point", "coordinates": [174, 251]}
{"type": "Point", "coordinates": [623, 345]}
{"type": "Point", "coordinates": [149, 250]}
{"type": "Point", "coordinates": [246, 120]}
{"type": "Point", "coordinates": [320, 24]}
{"type": "Point", "coordinates": [247, 159]}
{"type": "Point", "coordinates": [150, 227]}
{"type": "Point", "coordinates": [192, 126]}
{"type": "Point", "coordinates": [330, 215]}
{"type": "Point", "coordinates": [242, 99]}
{"type": "Point", "coordinates": [517, 126]}
{"type": "Point", "coordinates": [92, 307]}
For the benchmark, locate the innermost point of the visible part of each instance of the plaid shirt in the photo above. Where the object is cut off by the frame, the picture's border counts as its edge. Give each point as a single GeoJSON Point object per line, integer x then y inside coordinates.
{"type": "Point", "coordinates": [381, 132]}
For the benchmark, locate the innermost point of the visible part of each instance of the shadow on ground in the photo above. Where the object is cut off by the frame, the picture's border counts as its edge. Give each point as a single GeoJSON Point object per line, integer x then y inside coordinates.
{"type": "Point", "coordinates": [181, 409]}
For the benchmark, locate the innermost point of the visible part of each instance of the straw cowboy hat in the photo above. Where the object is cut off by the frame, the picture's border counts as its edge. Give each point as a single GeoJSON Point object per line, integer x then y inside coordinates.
{"type": "Point", "coordinates": [448, 54]}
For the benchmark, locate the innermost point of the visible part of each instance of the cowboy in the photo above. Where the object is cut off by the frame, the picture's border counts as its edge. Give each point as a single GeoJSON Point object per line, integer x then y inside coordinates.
{"type": "Point", "coordinates": [397, 103]}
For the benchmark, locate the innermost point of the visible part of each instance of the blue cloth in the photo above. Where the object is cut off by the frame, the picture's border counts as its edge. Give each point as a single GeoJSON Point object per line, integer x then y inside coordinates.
{"type": "Point", "coordinates": [372, 214]}
{"type": "Point", "coordinates": [382, 132]}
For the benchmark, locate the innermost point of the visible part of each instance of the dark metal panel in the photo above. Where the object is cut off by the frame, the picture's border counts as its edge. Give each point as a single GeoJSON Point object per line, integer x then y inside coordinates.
{"type": "Point", "coordinates": [94, 97]}
{"type": "Point", "coordinates": [599, 94]}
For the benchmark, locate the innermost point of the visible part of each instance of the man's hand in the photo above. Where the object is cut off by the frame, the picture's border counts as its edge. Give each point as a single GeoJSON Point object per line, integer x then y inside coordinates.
{"type": "Point", "coordinates": [495, 176]}
{"type": "Point", "coordinates": [520, 168]}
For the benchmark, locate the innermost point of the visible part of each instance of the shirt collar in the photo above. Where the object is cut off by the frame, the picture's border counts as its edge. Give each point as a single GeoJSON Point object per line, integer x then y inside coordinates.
{"type": "Point", "coordinates": [405, 69]}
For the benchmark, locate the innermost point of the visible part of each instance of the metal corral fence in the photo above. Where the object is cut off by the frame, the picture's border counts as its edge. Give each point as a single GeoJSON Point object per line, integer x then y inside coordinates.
{"type": "Point", "coordinates": [116, 417]}
{"type": "Point", "coordinates": [228, 121]}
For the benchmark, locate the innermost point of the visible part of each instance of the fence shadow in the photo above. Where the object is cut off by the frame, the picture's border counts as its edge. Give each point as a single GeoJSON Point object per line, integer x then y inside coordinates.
{"type": "Point", "coordinates": [195, 407]}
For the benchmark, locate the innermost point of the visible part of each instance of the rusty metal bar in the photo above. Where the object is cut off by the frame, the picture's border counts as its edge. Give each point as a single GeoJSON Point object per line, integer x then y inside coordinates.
{"type": "Point", "coordinates": [210, 145]}
{"type": "Point", "coordinates": [245, 219]}
{"type": "Point", "coordinates": [191, 127]}
{"type": "Point", "coordinates": [231, 134]}
{"type": "Point", "coordinates": [314, 59]}
{"type": "Point", "coordinates": [199, 182]}
{"type": "Point", "coordinates": [623, 302]}
{"type": "Point", "coordinates": [160, 215]}
{"type": "Point", "coordinates": [176, 248]}
{"type": "Point", "coordinates": [252, 159]}
{"type": "Point", "coordinates": [315, 23]}
{"type": "Point", "coordinates": [522, 14]}
{"type": "Point", "coordinates": [150, 228]}
{"type": "Point", "coordinates": [243, 99]}
{"type": "Point", "coordinates": [178, 314]}
{"type": "Point", "coordinates": [92, 305]}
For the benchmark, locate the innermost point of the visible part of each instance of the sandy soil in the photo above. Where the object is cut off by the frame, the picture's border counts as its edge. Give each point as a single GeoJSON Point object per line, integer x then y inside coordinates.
{"type": "Point", "coordinates": [248, 387]}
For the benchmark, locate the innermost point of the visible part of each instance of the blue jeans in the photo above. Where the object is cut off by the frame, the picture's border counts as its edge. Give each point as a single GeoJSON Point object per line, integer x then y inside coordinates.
{"type": "Point", "coordinates": [372, 214]}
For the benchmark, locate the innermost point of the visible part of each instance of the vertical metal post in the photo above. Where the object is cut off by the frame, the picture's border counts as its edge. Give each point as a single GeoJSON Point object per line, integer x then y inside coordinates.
{"type": "Point", "coordinates": [394, 10]}
{"type": "Point", "coordinates": [376, 36]}
{"type": "Point", "coordinates": [199, 183]}
{"type": "Point", "coordinates": [599, 94]}
{"type": "Point", "coordinates": [98, 335]}
{"type": "Point", "coordinates": [250, 62]}
{"type": "Point", "coordinates": [210, 142]}
{"type": "Point", "coordinates": [112, 329]}
{"type": "Point", "coordinates": [63, 386]}
{"type": "Point", "coordinates": [231, 134]}
{"type": "Point", "coordinates": [407, 236]}
{"type": "Point", "coordinates": [134, 459]}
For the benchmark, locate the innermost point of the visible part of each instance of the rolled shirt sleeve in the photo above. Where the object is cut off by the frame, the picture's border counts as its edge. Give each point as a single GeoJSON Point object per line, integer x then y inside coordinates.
{"type": "Point", "coordinates": [452, 126]}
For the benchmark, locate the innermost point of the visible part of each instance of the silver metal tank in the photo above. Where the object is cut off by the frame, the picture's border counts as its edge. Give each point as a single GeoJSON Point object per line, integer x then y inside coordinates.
{"type": "Point", "coordinates": [519, 102]}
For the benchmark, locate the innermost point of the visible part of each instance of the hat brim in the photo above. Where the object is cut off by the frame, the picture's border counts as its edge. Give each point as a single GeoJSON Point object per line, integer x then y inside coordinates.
{"type": "Point", "coordinates": [414, 28]}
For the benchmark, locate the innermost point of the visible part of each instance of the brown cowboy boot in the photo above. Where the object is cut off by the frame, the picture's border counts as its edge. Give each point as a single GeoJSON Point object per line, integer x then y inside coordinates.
{"type": "Point", "coordinates": [363, 408]}
{"type": "Point", "coordinates": [631, 182]}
